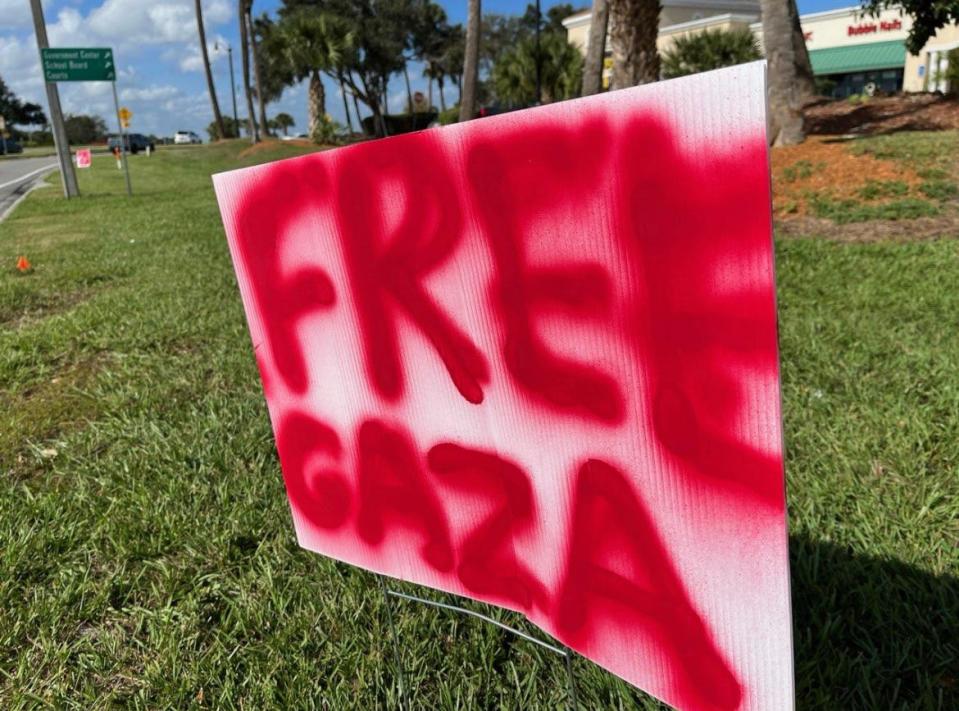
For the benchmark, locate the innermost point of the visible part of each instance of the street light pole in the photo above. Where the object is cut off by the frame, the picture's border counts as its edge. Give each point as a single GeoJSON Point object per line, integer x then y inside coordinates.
{"type": "Point", "coordinates": [229, 53]}
{"type": "Point", "coordinates": [236, 119]}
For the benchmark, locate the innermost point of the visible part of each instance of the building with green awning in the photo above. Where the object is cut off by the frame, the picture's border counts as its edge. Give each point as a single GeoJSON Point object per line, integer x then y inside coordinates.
{"type": "Point", "coordinates": [846, 70]}
{"type": "Point", "coordinates": [852, 52]}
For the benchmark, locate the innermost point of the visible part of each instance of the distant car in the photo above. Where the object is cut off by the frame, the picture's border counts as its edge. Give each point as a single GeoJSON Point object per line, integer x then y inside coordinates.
{"type": "Point", "coordinates": [135, 142]}
{"type": "Point", "coordinates": [181, 137]}
{"type": "Point", "coordinates": [8, 146]}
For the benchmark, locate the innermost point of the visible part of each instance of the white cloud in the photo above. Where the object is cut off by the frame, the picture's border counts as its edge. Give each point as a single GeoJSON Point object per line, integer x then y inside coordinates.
{"type": "Point", "coordinates": [192, 60]}
{"type": "Point", "coordinates": [15, 13]}
{"type": "Point", "coordinates": [131, 24]}
{"type": "Point", "coordinates": [20, 67]}
{"type": "Point", "coordinates": [150, 93]}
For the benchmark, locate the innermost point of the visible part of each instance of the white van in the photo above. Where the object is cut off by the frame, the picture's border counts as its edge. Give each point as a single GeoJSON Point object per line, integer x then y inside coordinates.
{"type": "Point", "coordinates": [181, 137]}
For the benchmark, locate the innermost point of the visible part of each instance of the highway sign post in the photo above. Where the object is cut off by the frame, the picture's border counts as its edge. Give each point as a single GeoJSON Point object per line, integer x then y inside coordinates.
{"type": "Point", "coordinates": [67, 176]}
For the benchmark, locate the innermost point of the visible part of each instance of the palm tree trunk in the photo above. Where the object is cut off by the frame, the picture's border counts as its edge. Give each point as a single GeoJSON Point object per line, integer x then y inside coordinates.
{"type": "Point", "coordinates": [245, 52]}
{"type": "Point", "coordinates": [409, 92]}
{"type": "Point", "coordinates": [429, 92]}
{"type": "Point", "coordinates": [634, 25]}
{"type": "Point", "coordinates": [264, 125]}
{"type": "Point", "coordinates": [471, 63]}
{"type": "Point", "coordinates": [805, 77]}
{"type": "Point", "coordinates": [439, 82]}
{"type": "Point", "coordinates": [596, 49]}
{"type": "Point", "coordinates": [346, 106]}
{"type": "Point", "coordinates": [787, 90]}
{"type": "Point", "coordinates": [316, 104]}
{"type": "Point", "coordinates": [356, 107]}
{"type": "Point", "coordinates": [217, 116]}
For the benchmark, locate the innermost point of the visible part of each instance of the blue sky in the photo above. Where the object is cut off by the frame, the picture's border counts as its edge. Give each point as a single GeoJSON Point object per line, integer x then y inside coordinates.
{"type": "Point", "coordinates": [155, 44]}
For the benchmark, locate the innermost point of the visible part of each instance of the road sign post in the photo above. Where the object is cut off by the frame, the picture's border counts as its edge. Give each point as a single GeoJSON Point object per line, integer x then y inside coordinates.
{"type": "Point", "coordinates": [123, 118]}
{"type": "Point", "coordinates": [67, 175]}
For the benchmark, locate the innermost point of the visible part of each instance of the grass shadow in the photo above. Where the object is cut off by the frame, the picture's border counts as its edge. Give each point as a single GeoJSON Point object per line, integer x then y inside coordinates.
{"type": "Point", "coordinates": [872, 633]}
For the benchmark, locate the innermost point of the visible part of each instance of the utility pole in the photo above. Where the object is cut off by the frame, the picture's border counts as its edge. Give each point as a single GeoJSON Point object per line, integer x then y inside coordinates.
{"type": "Point", "coordinates": [67, 176]}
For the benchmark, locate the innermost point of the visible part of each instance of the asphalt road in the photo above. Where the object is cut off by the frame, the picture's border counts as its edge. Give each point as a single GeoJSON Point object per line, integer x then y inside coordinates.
{"type": "Point", "coordinates": [17, 175]}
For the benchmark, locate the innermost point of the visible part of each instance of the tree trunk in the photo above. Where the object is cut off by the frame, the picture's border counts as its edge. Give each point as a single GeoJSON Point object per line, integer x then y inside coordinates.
{"type": "Point", "coordinates": [356, 107]}
{"type": "Point", "coordinates": [409, 92]}
{"type": "Point", "coordinates": [439, 83]}
{"type": "Point", "coordinates": [217, 116]}
{"type": "Point", "coordinates": [346, 106]}
{"type": "Point", "coordinates": [316, 104]}
{"type": "Point", "coordinates": [787, 90]}
{"type": "Point", "coordinates": [264, 125]}
{"type": "Point", "coordinates": [596, 49]}
{"type": "Point", "coordinates": [634, 26]}
{"type": "Point", "coordinates": [805, 77]}
{"type": "Point", "coordinates": [471, 63]}
{"type": "Point", "coordinates": [429, 92]}
{"type": "Point", "coordinates": [245, 51]}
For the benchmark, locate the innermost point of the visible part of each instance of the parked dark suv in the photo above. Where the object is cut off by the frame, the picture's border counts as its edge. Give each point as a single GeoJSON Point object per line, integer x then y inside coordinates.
{"type": "Point", "coordinates": [8, 146]}
{"type": "Point", "coordinates": [135, 142]}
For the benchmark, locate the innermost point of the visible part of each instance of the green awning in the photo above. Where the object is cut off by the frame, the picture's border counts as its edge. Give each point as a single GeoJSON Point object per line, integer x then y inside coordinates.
{"type": "Point", "coordinates": [858, 57]}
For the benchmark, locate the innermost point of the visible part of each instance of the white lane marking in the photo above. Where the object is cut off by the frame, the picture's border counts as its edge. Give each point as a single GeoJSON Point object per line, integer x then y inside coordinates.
{"type": "Point", "coordinates": [28, 175]}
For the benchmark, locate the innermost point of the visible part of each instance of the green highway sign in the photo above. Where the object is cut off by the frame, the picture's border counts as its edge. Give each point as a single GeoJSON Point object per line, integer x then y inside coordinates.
{"type": "Point", "coordinates": [78, 64]}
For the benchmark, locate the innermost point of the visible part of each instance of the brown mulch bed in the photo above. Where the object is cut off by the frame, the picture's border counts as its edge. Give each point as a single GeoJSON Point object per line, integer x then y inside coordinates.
{"type": "Point", "coordinates": [825, 165]}
{"type": "Point", "coordinates": [883, 114]}
{"type": "Point", "coordinates": [271, 143]}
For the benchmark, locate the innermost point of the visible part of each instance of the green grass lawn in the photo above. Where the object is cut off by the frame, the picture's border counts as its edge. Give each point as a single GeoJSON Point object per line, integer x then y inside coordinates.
{"type": "Point", "coordinates": [147, 557]}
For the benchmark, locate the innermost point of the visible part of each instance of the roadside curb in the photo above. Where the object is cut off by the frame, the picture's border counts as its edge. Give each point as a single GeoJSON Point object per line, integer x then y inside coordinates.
{"type": "Point", "coordinates": [21, 193]}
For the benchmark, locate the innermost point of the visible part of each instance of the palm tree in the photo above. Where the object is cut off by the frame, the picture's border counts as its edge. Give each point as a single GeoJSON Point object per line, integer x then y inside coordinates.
{"type": "Point", "coordinates": [634, 27]}
{"type": "Point", "coordinates": [452, 60]}
{"type": "Point", "coordinates": [710, 49]}
{"type": "Point", "coordinates": [434, 70]}
{"type": "Point", "coordinates": [245, 53]}
{"type": "Point", "coordinates": [560, 67]}
{"type": "Point", "coordinates": [312, 43]}
{"type": "Point", "coordinates": [217, 116]}
{"type": "Point", "coordinates": [260, 98]}
{"type": "Point", "coordinates": [471, 62]}
{"type": "Point", "coordinates": [596, 49]}
{"type": "Point", "coordinates": [789, 77]}
{"type": "Point", "coordinates": [283, 121]}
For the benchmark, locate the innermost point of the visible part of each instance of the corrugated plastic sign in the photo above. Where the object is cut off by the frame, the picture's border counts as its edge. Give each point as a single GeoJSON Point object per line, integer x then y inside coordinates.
{"type": "Point", "coordinates": [532, 360]}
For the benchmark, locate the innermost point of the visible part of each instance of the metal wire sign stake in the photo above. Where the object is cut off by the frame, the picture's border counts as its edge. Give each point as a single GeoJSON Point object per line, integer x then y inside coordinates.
{"type": "Point", "coordinates": [401, 681]}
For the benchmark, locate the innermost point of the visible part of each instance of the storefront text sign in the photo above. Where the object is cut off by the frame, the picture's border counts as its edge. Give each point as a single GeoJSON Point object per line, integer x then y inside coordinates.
{"type": "Point", "coordinates": [531, 359]}
{"type": "Point", "coordinates": [867, 28]}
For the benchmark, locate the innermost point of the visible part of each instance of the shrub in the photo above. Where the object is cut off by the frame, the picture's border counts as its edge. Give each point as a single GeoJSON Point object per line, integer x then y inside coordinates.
{"type": "Point", "coordinates": [450, 115]}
